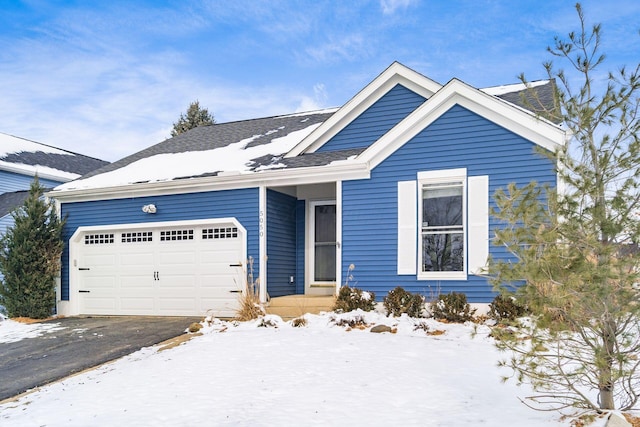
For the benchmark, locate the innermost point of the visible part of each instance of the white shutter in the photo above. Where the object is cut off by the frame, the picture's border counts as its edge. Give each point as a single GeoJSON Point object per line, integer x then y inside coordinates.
{"type": "Point", "coordinates": [478, 223]}
{"type": "Point", "coordinates": [407, 227]}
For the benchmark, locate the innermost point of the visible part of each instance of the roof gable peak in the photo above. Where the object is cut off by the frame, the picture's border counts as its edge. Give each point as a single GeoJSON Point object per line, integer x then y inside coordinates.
{"type": "Point", "coordinates": [395, 74]}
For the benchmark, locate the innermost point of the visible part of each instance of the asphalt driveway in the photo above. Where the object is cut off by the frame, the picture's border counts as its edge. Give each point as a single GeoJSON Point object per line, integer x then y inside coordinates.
{"type": "Point", "coordinates": [84, 342]}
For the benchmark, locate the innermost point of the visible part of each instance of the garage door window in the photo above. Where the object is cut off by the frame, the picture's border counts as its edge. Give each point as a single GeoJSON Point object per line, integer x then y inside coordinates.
{"type": "Point", "coordinates": [98, 239]}
{"type": "Point", "coordinates": [137, 236]}
{"type": "Point", "coordinates": [220, 233]}
{"type": "Point", "coordinates": [172, 235]}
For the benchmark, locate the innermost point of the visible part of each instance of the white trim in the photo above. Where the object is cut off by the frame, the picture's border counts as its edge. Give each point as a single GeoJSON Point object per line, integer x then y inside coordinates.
{"type": "Point", "coordinates": [395, 74]}
{"type": "Point", "coordinates": [71, 307]}
{"type": "Point", "coordinates": [478, 220]}
{"type": "Point", "coordinates": [407, 251]}
{"type": "Point", "coordinates": [442, 175]}
{"type": "Point", "coordinates": [262, 238]}
{"type": "Point", "coordinates": [338, 236]}
{"type": "Point", "coordinates": [272, 178]}
{"type": "Point", "coordinates": [517, 120]}
{"type": "Point", "coordinates": [47, 173]}
{"type": "Point", "coordinates": [430, 177]}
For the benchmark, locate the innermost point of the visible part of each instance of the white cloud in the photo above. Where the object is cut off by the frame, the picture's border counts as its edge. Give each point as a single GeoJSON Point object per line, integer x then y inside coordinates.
{"type": "Point", "coordinates": [390, 6]}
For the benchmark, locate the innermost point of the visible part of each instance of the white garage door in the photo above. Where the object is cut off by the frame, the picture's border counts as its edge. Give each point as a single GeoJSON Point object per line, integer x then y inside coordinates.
{"type": "Point", "coordinates": [177, 270]}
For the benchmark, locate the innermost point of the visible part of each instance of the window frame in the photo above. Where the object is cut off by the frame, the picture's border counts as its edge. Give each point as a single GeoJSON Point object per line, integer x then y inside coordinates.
{"type": "Point", "coordinates": [440, 177]}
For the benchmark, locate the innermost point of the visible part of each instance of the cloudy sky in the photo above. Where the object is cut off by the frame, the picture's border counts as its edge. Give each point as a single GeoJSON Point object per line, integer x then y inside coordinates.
{"type": "Point", "coordinates": [108, 78]}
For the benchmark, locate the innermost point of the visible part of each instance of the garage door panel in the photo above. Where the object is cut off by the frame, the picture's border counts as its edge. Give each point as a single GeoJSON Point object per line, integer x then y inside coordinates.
{"type": "Point", "coordinates": [228, 282]}
{"type": "Point", "coordinates": [178, 257]}
{"type": "Point", "coordinates": [101, 305]}
{"type": "Point", "coordinates": [100, 259]}
{"type": "Point", "coordinates": [182, 304]}
{"type": "Point", "coordinates": [100, 280]}
{"type": "Point", "coordinates": [136, 283]}
{"type": "Point", "coordinates": [137, 304]}
{"type": "Point", "coordinates": [138, 260]}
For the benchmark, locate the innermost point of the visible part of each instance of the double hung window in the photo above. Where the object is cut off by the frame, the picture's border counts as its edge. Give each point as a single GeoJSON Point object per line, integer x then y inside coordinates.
{"type": "Point", "coordinates": [442, 235]}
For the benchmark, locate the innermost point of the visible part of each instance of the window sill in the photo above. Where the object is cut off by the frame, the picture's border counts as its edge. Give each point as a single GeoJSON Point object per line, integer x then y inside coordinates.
{"type": "Point", "coordinates": [458, 275]}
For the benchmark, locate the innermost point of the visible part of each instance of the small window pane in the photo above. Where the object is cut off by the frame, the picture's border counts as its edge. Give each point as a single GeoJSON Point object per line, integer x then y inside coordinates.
{"type": "Point", "coordinates": [442, 205]}
{"type": "Point", "coordinates": [443, 252]}
{"type": "Point", "coordinates": [325, 263]}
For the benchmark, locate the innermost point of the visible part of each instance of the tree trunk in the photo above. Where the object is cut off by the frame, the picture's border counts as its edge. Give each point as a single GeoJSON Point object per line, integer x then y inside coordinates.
{"type": "Point", "coordinates": [606, 383]}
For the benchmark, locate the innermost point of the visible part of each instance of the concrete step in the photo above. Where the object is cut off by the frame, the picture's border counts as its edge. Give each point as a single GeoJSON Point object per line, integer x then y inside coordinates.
{"type": "Point", "coordinates": [293, 306]}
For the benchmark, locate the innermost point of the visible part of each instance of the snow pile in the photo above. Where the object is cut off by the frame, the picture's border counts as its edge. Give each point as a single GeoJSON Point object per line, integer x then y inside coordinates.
{"type": "Point", "coordinates": [269, 373]}
{"type": "Point", "coordinates": [11, 331]}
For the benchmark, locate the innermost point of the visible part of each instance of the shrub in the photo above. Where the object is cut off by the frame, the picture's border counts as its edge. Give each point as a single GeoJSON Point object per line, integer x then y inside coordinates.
{"type": "Point", "coordinates": [350, 321]}
{"type": "Point", "coordinates": [452, 307]}
{"type": "Point", "coordinates": [250, 306]}
{"type": "Point", "coordinates": [350, 299]}
{"type": "Point", "coordinates": [299, 322]}
{"type": "Point", "coordinates": [506, 308]}
{"type": "Point", "coordinates": [399, 301]}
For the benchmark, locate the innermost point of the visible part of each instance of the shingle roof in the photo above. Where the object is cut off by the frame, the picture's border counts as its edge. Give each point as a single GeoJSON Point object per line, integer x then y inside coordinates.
{"type": "Point", "coordinates": [260, 131]}
{"type": "Point", "coordinates": [21, 153]}
{"type": "Point", "coordinates": [537, 98]}
{"type": "Point", "coordinates": [12, 200]}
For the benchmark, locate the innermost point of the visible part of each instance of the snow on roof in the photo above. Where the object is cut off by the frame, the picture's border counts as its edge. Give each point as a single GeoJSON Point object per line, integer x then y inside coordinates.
{"type": "Point", "coordinates": [517, 87]}
{"type": "Point", "coordinates": [10, 144]}
{"type": "Point", "coordinates": [236, 157]}
{"type": "Point", "coordinates": [27, 157]}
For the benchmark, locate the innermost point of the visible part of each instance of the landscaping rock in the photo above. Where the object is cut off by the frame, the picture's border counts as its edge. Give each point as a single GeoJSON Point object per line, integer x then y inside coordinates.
{"type": "Point", "coordinates": [195, 327]}
{"type": "Point", "coordinates": [381, 328]}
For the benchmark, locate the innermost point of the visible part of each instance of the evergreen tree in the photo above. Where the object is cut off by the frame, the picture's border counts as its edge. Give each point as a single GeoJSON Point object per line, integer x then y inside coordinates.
{"type": "Point", "coordinates": [30, 257]}
{"type": "Point", "coordinates": [195, 117]}
{"type": "Point", "coordinates": [576, 250]}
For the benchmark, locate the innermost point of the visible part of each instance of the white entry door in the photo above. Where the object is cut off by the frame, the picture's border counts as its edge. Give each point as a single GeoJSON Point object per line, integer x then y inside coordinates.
{"type": "Point", "coordinates": [170, 270]}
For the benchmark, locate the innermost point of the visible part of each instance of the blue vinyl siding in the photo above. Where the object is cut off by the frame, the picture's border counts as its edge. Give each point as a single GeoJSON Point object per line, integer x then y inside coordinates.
{"type": "Point", "coordinates": [377, 120]}
{"type": "Point", "coordinates": [281, 243]}
{"type": "Point", "coordinates": [10, 181]}
{"type": "Point", "coordinates": [458, 139]}
{"type": "Point", "coordinates": [241, 204]}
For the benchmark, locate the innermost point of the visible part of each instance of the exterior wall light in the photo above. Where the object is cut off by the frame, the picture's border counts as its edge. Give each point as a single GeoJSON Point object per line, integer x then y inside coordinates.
{"type": "Point", "coordinates": [150, 209]}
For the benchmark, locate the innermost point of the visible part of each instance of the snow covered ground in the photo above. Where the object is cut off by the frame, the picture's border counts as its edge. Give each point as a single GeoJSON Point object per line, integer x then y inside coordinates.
{"type": "Point", "coordinates": [242, 374]}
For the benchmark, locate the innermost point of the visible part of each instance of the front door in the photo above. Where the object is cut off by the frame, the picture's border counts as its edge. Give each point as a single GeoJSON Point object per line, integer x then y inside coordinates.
{"type": "Point", "coordinates": [322, 263]}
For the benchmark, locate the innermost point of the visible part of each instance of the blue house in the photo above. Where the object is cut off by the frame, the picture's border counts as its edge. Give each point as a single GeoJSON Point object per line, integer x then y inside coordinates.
{"type": "Point", "coordinates": [396, 183]}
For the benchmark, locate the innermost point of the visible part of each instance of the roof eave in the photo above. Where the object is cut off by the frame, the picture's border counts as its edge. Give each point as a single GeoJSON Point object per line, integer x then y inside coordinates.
{"type": "Point", "coordinates": [29, 170]}
{"type": "Point", "coordinates": [340, 171]}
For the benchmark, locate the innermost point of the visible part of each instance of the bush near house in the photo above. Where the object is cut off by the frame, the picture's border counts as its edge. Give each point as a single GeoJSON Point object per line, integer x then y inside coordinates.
{"type": "Point", "coordinates": [506, 308]}
{"type": "Point", "coordinates": [350, 299]}
{"type": "Point", "coordinates": [452, 307]}
{"type": "Point", "coordinates": [398, 301]}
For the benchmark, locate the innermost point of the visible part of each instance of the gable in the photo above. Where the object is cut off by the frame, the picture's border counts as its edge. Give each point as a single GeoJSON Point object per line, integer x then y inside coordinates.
{"type": "Point", "coordinates": [516, 120]}
{"type": "Point", "coordinates": [376, 120]}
